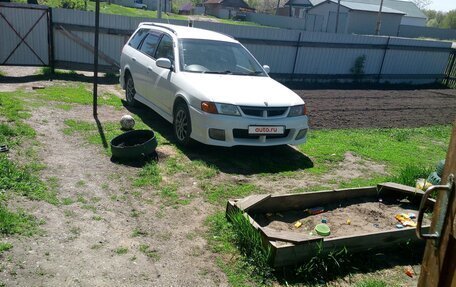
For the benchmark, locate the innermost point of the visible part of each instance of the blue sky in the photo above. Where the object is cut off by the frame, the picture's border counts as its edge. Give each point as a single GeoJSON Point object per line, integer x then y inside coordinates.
{"type": "Point", "coordinates": [443, 5]}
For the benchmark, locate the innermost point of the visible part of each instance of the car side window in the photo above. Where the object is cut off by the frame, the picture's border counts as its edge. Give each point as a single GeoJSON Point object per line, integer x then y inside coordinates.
{"type": "Point", "coordinates": [137, 38]}
{"type": "Point", "coordinates": [165, 48]}
{"type": "Point", "coordinates": [149, 44]}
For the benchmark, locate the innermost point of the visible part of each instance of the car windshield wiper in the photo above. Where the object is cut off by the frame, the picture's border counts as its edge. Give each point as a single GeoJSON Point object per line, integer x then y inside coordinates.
{"type": "Point", "coordinates": [255, 73]}
{"type": "Point", "coordinates": [218, 72]}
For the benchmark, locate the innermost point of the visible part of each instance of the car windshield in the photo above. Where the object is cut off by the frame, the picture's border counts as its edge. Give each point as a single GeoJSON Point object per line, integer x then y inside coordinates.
{"type": "Point", "coordinates": [217, 57]}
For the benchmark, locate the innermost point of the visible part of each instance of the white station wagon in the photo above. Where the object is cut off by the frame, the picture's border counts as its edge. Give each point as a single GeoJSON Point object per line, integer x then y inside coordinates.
{"type": "Point", "coordinates": [210, 87]}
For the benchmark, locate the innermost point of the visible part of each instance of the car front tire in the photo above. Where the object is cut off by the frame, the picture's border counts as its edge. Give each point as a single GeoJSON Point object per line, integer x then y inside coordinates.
{"type": "Point", "coordinates": [182, 125]}
{"type": "Point", "coordinates": [130, 91]}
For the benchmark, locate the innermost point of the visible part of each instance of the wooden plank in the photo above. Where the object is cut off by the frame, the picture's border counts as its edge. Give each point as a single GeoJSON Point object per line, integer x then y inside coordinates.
{"type": "Point", "coordinates": [278, 203]}
{"type": "Point", "coordinates": [395, 189]}
{"type": "Point", "coordinates": [399, 187]}
{"type": "Point", "coordinates": [295, 254]}
{"type": "Point", "coordinates": [288, 236]}
{"type": "Point", "coordinates": [439, 262]}
{"type": "Point", "coordinates": [232, 207]}
{"type": "Point", "coordinates": [250, 201]}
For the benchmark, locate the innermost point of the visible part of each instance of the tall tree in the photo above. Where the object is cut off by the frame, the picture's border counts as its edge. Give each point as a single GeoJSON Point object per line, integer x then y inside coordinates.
{"type": "Point", "coordinates": [450, 20]}
{"type": "Point", "coordinates": [422, 4]}
{"type": "Point", "coordinates": [435, 18]}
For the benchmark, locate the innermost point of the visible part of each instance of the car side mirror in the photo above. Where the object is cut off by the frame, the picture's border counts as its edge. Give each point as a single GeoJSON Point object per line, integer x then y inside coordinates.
{"type": "Point", "coordinates": [164, 63]}
{"type": "Point", "coordinates": [266, 68]}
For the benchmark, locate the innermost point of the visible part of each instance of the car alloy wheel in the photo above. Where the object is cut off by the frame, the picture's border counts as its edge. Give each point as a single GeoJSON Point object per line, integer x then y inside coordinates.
{"type": "Point", "coordinates": [130, 91]}
{"type": "Point", "coordinates": [182, 124]}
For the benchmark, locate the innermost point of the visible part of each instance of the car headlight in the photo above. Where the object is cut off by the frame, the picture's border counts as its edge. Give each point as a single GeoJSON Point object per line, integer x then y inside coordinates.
{"type": "Point", "coordinates": [218, 108]}
{"type": "Point", "coordinates": [296, 111]}
{"type": "Point", "coordinates": [227, 109]}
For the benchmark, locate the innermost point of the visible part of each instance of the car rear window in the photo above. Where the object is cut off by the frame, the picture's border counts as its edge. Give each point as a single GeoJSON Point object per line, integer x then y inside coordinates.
{"type": "Point", "coordinates": [137, 38]}
{"type": "Point", "coordinates": [149, 44]}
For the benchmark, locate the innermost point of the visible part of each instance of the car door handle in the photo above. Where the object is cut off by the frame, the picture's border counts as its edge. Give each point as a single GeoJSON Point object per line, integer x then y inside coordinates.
{"type": "Point", "coordinates": [149, 69]}
{"type": "Point", "coordinates": [133, 59]}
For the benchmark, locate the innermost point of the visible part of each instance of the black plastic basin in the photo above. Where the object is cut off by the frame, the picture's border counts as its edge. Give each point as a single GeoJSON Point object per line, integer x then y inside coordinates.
{"type": "Point", "coordinates": [134, 144]}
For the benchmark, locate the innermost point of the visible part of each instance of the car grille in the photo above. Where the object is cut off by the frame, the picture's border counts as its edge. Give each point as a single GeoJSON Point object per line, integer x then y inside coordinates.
{"type": "Point", "coordinates": [260, 111]}
{"type": "Point", "coordinates": [244, 134]}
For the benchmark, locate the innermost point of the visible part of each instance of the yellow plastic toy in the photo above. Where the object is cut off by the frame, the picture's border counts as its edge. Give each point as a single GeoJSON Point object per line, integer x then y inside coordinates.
{"type": "Point", "coordinates": [405, 220]}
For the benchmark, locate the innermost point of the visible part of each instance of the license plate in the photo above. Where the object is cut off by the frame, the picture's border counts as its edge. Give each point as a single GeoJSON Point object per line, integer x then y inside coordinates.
{"type": "Point", "coordinates": [266, 130]}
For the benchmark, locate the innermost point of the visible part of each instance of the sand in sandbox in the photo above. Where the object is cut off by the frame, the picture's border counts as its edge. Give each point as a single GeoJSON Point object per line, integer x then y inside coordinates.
{"type": "Point", "coordinates": [365, 215]}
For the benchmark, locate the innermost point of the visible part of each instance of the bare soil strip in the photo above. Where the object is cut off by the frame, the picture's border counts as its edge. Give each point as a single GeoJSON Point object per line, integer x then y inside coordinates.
{"type": "Point", "coordinates": [379, 108]}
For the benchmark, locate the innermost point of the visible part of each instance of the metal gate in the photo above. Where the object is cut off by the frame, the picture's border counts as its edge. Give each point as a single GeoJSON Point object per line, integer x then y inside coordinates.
{"type": "Point", "coordinates": [450, 71]}
{"type": "Point", "coordinates": [24, 34]}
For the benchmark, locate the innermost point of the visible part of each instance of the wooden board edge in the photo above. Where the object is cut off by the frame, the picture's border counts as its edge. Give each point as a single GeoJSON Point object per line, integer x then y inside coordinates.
{"type": "Point", "coordinates": [250, 201]}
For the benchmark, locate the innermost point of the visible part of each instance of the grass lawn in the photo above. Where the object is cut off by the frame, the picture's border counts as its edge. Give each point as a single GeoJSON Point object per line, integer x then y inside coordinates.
{"type": "Point", "coordinates": [132, 12]}
{"type": "Point", "coordinates": [221, 174]}
{"type": "Point", "coordinates": [18, 179]}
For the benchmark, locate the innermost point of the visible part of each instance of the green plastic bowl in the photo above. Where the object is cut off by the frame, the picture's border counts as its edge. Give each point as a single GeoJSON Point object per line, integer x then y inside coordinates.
{"type": "Point", "coordinates": [322, 229]}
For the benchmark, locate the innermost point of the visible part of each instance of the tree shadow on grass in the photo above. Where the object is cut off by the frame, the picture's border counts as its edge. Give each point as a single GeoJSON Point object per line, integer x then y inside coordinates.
{"type": "Point", "coordinates": [74, 77]}
{"type": "Point", "coordinates": [236, 160]}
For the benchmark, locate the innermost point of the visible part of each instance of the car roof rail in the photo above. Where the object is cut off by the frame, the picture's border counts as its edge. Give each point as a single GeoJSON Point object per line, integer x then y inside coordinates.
{"type": "Point", "coordinates": [158, 25]}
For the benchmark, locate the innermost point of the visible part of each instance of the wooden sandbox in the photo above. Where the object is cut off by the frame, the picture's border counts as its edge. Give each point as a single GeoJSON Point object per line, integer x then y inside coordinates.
{"type": "Point", "coordinates": [360, 219]}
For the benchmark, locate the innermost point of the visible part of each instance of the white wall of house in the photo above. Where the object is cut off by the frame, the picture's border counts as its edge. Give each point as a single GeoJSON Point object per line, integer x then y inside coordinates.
{"type": "Point", "coordinates": [414, 21]}
{"type": "Point", "coordinates": [357, 22]}
{"type": "Point", "coordinates": [324, 10]}
{"type": "Point", "coordinates": [363, 22]}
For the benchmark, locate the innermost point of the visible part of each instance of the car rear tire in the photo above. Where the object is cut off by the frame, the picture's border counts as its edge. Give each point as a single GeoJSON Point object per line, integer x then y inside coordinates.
{"type": "Point", "coordinates": [182, 124]}
{"type": "Point", "coordinates": [130, 91]}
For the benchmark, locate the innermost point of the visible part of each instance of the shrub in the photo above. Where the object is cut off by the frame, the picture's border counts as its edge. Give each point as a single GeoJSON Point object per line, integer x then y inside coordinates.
{"type": "Point", "coordinates": [72, 4]}
{"type": "Point", "coordinates": [410, 173]}
{"type": "Point", "coordinates": [358, 68]}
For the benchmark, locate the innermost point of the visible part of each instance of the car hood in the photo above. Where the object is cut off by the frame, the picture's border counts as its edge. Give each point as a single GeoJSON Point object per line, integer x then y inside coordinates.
{"type": "Point", "coordinates": [242, 90]}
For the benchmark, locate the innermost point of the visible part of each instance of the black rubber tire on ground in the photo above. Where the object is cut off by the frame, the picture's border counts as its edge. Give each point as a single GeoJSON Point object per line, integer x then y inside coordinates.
{"type": "Point", "coordinates": [182, 125]}
{"type": "Point", "coordinates": [130, 91]}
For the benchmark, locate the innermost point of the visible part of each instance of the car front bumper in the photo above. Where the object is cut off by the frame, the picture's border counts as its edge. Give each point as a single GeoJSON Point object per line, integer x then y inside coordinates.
{"type": "Point", "coordinates": [236, 129]}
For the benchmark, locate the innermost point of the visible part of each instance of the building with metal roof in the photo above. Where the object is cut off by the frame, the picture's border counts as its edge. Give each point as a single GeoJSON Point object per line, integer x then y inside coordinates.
{"type": "Point", "coordinates": [357, 18]}
{"type": "Point", "coordinates": [412, 14]}
{"type": "Point", "coordinates": [225, 8]}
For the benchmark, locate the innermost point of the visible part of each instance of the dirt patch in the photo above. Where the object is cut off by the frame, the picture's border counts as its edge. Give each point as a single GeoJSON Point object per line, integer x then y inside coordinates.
{"type": "Point", "coordinates": [202, 18]}
{"type": "Point", "coordinates": [109, 233]}
{"type": "Point", "coordinates": [364, 215]}
{"type": "Point", "coordinates": [379, 108]}
{"type": "Point", "coordinates": [352, 167]}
